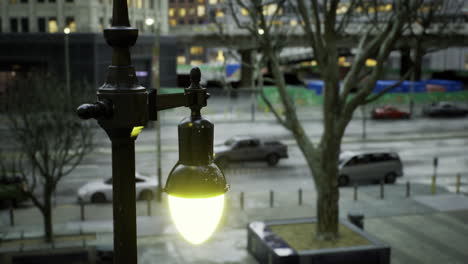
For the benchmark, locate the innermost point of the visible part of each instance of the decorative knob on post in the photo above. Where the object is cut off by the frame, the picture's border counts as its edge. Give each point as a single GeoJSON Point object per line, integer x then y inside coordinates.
{"type": "Point", "coordinates": [100, 109]}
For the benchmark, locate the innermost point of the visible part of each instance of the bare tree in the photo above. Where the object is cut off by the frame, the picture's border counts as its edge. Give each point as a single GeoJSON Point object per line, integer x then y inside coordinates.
{"type": "Point", "coordinates": [49, 141]}
{"type": "Point", "coordinates": [375, 26]}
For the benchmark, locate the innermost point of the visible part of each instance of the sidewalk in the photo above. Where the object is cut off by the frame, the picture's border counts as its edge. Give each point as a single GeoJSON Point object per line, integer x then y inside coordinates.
{"type": "Point", "coordinates": [420, 229]}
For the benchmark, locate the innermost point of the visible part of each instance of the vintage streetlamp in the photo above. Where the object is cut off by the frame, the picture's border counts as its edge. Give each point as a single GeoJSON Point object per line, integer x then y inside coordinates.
{"type": "Point", "coordinates": [123, 107]}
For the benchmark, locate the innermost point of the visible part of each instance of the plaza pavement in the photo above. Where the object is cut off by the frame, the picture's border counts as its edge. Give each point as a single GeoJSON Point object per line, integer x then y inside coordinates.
{"type": "Point", "coordinates": [422, 228]}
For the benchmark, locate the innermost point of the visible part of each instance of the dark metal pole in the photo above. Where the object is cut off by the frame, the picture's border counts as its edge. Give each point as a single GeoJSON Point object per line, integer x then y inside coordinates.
{"type": "Point", "coordinates": [124, 204]}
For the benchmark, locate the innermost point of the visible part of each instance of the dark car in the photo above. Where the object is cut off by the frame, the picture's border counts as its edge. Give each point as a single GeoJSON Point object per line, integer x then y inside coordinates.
{"type": "Point", "coordinates": [11, 191]}
{"type": "Point", "coordinates": [389, 112]}
{"type": "Point", "coordinates": [444, 109]}
{"type": "Point", "coordinates": [249, 149]}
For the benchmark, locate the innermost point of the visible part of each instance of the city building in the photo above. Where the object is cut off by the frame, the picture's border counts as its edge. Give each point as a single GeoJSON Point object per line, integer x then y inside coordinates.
{"type": "Point", "coordinates": [34, 34]}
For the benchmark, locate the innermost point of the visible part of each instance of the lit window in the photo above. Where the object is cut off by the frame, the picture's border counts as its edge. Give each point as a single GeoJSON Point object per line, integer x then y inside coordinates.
{"type": "Point", "coordinates": [196, 50]}
{"type": "Point", "coordinates": [181, 60]}
{"type": "Point", "coordinates": [371, 63]}
{"type": "Point", "coordinates": [182, 12]}
{"type": "Point", "coordinates": [269, 9]}
{"type": "Point", "coordinates": [244, 11]}
{"type": "Point", "coordinates": [191, 11]}
{"type": "Point", "coordinates": [172, 22]}
{"type": "Point", "coordinates": [201, 1]}
{"type": "Point", "coordinates": [71, 24]}
{"type": "Point", "coordinates": [13, 2]}
{"type": "Point", "coordinates": [201, 10]}
{"type": "Point", "coordinates": [293, 22]}
{"type": "Point", "coordinates": [53, 27]}
{"type": "Point", "coordinates": [220, 56]}
{"type": "Point", "coordinates": [213, 2]}
{"type": "Point", "coordinates": [138, 3]}
{"type": "Point", "coordinates": [171, 12]}
{"type": "Point", "coordinates": [219, 13]}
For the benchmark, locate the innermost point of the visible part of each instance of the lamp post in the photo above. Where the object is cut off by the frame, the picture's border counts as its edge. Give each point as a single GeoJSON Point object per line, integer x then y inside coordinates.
{"type": "Point", "coordinates": [156, 84]}
{"type": "Point", "coordinates": [67, 31]}
{"type": "Point", "coordinates": [122, 109]}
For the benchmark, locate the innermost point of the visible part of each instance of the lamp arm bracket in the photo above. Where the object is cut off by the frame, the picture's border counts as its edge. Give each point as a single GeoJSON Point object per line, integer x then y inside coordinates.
{"type": "Point", "coordinates": [193, 98]}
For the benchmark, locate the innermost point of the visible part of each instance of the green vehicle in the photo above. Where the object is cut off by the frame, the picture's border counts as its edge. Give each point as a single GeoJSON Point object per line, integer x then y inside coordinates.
{"type": "Point", "coordinates": [11, 191]}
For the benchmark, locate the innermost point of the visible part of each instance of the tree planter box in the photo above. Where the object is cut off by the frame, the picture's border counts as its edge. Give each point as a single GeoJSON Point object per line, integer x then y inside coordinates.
{"type": "Point", "coordinates": [269, 248]}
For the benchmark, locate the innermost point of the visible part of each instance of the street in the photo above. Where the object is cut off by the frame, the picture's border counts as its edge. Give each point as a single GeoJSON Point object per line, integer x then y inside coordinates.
{"type": "Point", "coordinates": [417, 141]}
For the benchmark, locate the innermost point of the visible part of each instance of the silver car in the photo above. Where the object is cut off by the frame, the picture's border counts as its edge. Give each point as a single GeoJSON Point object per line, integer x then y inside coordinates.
{"type": "Point", "coordinates": [369, 166]}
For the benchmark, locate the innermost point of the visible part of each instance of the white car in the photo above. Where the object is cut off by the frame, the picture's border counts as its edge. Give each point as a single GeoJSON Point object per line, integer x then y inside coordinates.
{"type": "Point", "coordinates": [101, 191]}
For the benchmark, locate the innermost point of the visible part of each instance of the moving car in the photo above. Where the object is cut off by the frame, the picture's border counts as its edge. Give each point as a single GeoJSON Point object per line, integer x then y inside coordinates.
{"type": "Point", "coordinates": [11, 191]}
{"type": "Point", "coordinates": [369, 166]}
{"type": "Point", "coordinates": [444, 109]}
{"type": "Point", "coordinates": [101, 191]}
{"type": "Point", "coordinates": [389, 112]}
{"type": "Point", "coordinates": [249, 149]}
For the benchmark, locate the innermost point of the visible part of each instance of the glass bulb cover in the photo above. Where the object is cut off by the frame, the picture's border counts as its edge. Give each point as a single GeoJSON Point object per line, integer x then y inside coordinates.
{"type": "Point", "coordinates": [196, 218]}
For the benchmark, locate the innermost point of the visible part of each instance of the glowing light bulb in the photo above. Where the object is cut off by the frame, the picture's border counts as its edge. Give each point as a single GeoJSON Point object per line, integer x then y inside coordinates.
{"type": "Point", "coordinates": [196, 219]}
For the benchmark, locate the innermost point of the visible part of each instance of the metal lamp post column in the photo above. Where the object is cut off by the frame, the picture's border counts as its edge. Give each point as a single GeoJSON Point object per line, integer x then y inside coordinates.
{"type": "Point", "coordinates": [123, 107]}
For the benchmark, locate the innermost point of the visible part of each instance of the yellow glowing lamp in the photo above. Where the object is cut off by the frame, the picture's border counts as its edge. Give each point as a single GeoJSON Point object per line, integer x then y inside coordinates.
{"type": "Point", "coordinates": [196, 186]}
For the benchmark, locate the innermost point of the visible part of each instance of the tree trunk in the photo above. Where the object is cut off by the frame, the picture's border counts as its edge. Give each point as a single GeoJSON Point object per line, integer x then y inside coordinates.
{"type": "Point", "coordinates": [327, 209]}
{"type": "Point", "coordinates": [47, 215]}
{"type": "Point", "coordinates": [417, 60]}
{"type": "Point", "coordinates": [405, 61]}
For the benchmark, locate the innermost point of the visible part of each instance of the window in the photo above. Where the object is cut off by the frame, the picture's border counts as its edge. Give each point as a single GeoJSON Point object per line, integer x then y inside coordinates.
{"type": "Point", "coordinates": [213, 2]}
{"type": "Point", "coordinates": [52, 25]}
{"type": "Point", "coordinates": [191, 11]}
{"type": "Point", "coordinates": [172, 22]}
{"type": "Point", "coordinates": [13, 25]}
{"type": "Point", "coordinates": [138, 3]}
{"type": "Point", "coordinates": [171, 12]}
{"type": "Point", "coordinates": [41, 24]}
{"type": "Point", "coordinates": [191, 22]}
{"type": "Point", "coordinates": [182, 12]}
{"type": "Point", "coordinates": [181, 59]}
{"type": "Point", "coordinates": [70, 1]}
{"type": "Point", "coordinates": [151, 4]}
{"type": "Point", "coordinates": [196, 50]}
{"type": "Point", "coordinates": [40, 1]}
{"type": "Point", "coordinates": [70, 23]}
{"type": "Point", "coordinates": [24, 1]}
{"type": "Point", "coordinates": [201, 1]}
{"type": "Point", "coordinates": [12, 2]}
{"type": "Point", "coordinates": [201, 10]}
{"type": "Point", "coordinates": [24, 24]}
{"type": "Point", "coordinates": [51, 1]}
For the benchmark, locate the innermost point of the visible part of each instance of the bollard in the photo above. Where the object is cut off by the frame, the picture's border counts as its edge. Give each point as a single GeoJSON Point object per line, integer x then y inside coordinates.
{"type": "Point", "coordinates": [408, 189]}
{"type": "Point", "coordinates": [355, 192]}
{"type": "Point", "coordinates": [148, 206]}
{"type": "Point", "coordinates": [12, 215]}
{"type": "Point", "coordinates": [272, 197]}
{"type": "Point", "coordinates": [82, 212]}
{"type": "Point", "coordinates": [433, 185]}
{"type": "Point", "coordinates": [22, 240]}
{"type": "Point", "coordinates": [381, 189]}
{"type": "Point", "coordinates": [300, 196]}
{"type": "Point", "coordinates": [242, 200]}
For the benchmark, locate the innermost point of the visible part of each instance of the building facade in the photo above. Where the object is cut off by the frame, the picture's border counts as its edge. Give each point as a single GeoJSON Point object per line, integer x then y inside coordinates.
{"type": "Point", "coordinates": [32, 37]}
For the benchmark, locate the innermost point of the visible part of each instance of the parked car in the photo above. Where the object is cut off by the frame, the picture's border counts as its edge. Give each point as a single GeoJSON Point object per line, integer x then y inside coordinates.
{"type": "Point", "coordinates": [389, 112]}
{"type": "Point", "coordinates": [249, 149]}
{"type": "Point", "coordinates": [369, 166]}
{"type": "Point", "coordinates": [101, 191]}
{"type": "Point", "coordinates": [444, 109]}
{"type": "Point", "coordinates": [11, 191]}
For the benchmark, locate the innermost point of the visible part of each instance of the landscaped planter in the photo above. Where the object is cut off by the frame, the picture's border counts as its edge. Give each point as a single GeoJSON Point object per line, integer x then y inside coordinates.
{"type": "Point", "coordinates": [269, 248]}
